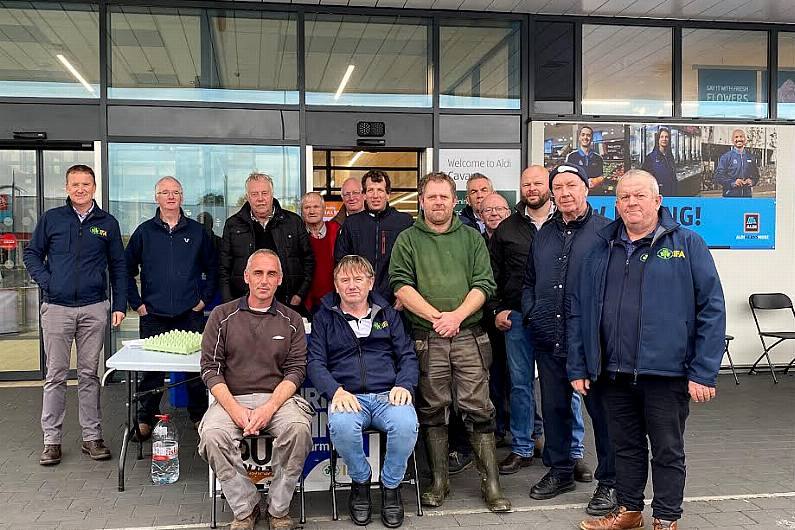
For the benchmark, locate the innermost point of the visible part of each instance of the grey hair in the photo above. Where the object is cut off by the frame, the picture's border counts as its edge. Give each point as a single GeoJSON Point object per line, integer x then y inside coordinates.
{"type": "Point", "coordinates": [256, 175]}
{"type": "Point", "coordinates": [640, 173]}
{"type": "Point", "coordinates": [165, 179]}
{"type": "Point", "coordinates": [308, 194]}
{"type": "Point", "coordinates": [264, 252]}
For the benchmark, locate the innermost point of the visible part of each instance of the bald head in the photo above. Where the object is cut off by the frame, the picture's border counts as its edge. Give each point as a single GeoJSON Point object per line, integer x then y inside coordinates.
{"type": "Point", "coordinates": [534, 187]}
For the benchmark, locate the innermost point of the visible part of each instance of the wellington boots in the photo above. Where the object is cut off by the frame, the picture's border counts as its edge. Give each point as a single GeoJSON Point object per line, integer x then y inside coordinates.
{"type": "Point", "coordinates": [484, 448]}
{"type": "Point", "coordinates": [436, 444]}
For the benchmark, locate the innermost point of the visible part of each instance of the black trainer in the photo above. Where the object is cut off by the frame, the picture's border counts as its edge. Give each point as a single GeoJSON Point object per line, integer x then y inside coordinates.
{"type": "Point", "coordinates": [551, 486]}
{"type": "Point", "coordinates": [359, 503]}
{"type": "Point", "coordinates": [391, 507]}
{"type": "Point", "coordinates": [603, 501]}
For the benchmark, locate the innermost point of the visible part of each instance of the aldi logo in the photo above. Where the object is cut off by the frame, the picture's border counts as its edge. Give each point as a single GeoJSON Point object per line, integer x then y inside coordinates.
{"type": "Point", "coordinates": [751, 222]}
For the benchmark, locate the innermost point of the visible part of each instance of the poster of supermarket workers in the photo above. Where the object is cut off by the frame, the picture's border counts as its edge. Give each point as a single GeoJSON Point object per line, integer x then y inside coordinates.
{"type": "Point", "coordinates": [719, 180]}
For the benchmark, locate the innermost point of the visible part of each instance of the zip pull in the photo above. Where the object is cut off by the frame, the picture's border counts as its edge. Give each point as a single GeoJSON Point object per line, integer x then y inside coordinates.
{"type": "Point", "coordinates": [635, 372]}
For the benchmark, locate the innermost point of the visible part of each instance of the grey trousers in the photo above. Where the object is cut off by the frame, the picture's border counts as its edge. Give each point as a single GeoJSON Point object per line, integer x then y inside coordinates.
{"type": "Point", "coordinates": [60, 326]}
{"type": "Point", "coordinates": [219, 445]}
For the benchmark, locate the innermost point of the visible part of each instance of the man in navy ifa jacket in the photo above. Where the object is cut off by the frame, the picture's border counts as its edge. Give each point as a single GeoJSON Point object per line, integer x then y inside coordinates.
{"type": "Point", "coordinates": [363, 361]}
{"type": "Point", "coordinates": [648, 319]}
{"type": "Point", "coordinates": [72, 250]}
{"type": "Point", "coordinates": [178, 265]}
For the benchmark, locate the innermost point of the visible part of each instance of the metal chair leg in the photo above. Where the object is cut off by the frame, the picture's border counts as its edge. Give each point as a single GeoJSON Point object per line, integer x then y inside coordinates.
{"type": "Point", "coordinates": [303, 500]}
{"type": "Point", "coordinates": [332, 459]}
{"type": "Point", "coordinates": [731, 363]}
{"type": "Point", "coordinates": [772, 369]}
{"type": "Point", "coordinates": [417, 483]}
{"type": "Point", "coordinates": [214, 509]}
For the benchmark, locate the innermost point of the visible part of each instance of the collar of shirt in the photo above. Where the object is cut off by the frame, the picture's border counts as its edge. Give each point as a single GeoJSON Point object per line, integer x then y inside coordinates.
{"type": "Point", "coordinates": [264, 223]}
{"type": "Point", "coordinates": [552, 210]}
{"type": "Point", "coordinates": [584, 154]}
{"type": "Point", "coordinates": [630, 245]}
{"type": "Point", "coordinates": [82, 216]}
{"type": "Point", "coordinates": [168, 226]}
{"type": "Point", "coordinates": [361, 326]}
{"type": "Point", "coordinates": [320, 234]}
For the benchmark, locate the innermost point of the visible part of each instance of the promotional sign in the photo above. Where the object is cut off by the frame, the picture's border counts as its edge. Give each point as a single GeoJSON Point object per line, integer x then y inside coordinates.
{"type": "Point", "coordinates": [727, 85]}
{"type": "Point", "coordinates": [719, 181]}
{"type": "Point", "coordinates": [8, 241]}
{"type": "Point", "coordinates": [502, 166]}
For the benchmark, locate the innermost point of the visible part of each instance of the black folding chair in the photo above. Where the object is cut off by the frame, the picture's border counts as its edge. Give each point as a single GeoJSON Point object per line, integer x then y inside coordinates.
{"type": "Point", "coordinates": [217, 494]}
{"type": "Point", "coordinates": [728, 339]}
{"type": "Point", "coordinates": [334, 484]}
{"type": "Point", "coordinates": [771, 302]}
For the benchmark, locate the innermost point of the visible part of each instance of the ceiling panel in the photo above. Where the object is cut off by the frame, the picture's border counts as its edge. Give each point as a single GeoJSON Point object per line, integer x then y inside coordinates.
{"type": "Point", "coordinates": [772, 11]}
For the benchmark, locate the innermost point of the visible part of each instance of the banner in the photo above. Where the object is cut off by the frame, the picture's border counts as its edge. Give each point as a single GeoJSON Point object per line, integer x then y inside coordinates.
{"type": "Point", "coordinates": [718, 180]}
{"type": "Point", "coordinates": [502, 166]}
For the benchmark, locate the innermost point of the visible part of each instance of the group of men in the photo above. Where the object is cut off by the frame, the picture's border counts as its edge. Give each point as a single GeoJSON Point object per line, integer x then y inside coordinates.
{"type": "Point", "coordinates": [408, 317]}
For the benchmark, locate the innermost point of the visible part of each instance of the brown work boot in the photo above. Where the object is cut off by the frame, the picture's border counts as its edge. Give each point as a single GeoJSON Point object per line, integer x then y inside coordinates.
{"type": "Point", "coordinates": [280, 523]}
{"type": "Point", "coordinates": [436, 445]}
{"type": "Point", "coordinates": [659, 524]}
{"type": "Point", "coordinates": [51, 455]}
{"type": "Point", "coordinates": [248, 522]}
{"type": "Point", "coordinates": [96, 450]}
{"type": "Point", "coordinates": [620, 519]}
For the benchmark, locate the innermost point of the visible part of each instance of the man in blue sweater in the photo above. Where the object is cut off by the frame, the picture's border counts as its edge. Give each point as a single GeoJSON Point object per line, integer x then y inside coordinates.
{"type": "Point", "coordinates": [72, 249]}
{"type": "Point", "coordinates": [179, 273]}
{"type": "Point", "coordinates": [648, 322]}
{"type": "Point", "coordinates": [363, 361]}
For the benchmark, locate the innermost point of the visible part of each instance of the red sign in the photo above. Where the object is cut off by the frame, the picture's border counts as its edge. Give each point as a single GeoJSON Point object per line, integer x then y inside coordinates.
{"type": "Point", "coordinates": [8, 241]}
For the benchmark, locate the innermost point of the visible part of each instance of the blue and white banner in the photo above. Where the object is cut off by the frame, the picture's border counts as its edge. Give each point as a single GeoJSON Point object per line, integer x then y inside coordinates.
{"type": "Point", "coordinates": [722, 222]}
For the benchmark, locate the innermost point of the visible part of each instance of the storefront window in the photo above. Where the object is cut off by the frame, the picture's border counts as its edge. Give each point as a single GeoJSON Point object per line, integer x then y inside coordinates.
{"type": "Point", "coordinates": [553, 49]}
{"type": "Point", "coordinates": [203, 55]}
{"type": "Point", "coordinates": [213, 178]}
{"type": "Point", "coordinates": [626, 70]}
{"type": "Point", "coordinates": [367, 61]}
{"type": "Point", "coordinates": [49, 50]}
{"type": "Point", "coordinates": [724, 73]}
{"type": "Point", "coordinates": [480, 65]}
{"type": "Point", "coordinates": [786, 75]}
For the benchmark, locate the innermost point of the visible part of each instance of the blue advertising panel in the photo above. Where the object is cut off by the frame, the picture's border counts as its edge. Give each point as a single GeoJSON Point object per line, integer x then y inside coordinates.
{"type": "Point", "coordinates": [722, 222]}
{"type": "Point", "coordinates": [718, 180]}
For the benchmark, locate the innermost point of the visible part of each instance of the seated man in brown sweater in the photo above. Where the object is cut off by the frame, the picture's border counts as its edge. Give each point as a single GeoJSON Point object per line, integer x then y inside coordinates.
{"type": "Point", "coordinates": [253, 361]}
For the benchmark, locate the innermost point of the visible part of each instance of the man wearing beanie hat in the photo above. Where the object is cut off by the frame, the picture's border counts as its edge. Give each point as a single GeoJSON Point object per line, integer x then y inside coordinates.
{"type": "Point", "coordinates": [551, 269]}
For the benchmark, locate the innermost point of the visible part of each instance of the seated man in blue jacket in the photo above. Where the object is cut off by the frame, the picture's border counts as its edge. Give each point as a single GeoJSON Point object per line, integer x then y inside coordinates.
{"type": "Point", "coordinates": [178, 265]}
{"type": "Point", "coordinates": [647, 321]}
{"type": "Point", "coordinates": [362, 359]}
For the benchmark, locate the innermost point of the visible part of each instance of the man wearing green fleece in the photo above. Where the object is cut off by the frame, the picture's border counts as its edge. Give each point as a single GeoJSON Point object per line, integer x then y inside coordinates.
{"type": "Point", "coordinates": [440, 272]}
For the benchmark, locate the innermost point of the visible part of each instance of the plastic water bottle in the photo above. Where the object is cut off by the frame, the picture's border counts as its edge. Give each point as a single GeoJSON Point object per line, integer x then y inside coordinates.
{"type": "Point", "coordinates": [165, 452]}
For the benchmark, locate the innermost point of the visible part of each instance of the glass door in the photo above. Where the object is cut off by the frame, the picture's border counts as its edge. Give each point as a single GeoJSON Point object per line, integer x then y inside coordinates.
{"type": "Point", "coordinates": [31, 181]}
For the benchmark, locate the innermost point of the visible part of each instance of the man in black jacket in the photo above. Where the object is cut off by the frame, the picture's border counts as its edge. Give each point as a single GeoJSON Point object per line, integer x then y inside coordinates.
{"type": "Point", "coordinates": [478, 187]}
{"type": "Point", "coordinates": [262, 223]}
{"type": "Point", "coordinates": [555, 256]}
{"type": "Point", "coordinates": [176, 258]}
{"type": "Point", "coordinates": [372, 233]}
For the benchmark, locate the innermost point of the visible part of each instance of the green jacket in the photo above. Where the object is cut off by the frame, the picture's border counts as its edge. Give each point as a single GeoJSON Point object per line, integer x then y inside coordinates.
{"type": "Point", "coordinates": [443, 268]}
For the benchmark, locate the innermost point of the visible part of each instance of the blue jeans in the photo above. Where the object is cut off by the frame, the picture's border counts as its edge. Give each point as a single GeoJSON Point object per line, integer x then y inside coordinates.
{"type": "Point", "coordinates": [399, 423]}
{"type": "Point", "coordinates": [525, 421]}
{"type": "Point", "coordinates": [577, 428]}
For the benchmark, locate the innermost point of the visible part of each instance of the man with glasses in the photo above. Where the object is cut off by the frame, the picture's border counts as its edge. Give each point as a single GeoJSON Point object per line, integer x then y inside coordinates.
{"type": "Point", "coordinates": [71, 251]}
{"type": "Point", "coordinates": [263, 223]}
{"type": "Point", "coordinates": [372, 232]}
{"type": "Point", "coordinates": [174, 255]}
{"type": "Point", "coordinates": [352, 199]}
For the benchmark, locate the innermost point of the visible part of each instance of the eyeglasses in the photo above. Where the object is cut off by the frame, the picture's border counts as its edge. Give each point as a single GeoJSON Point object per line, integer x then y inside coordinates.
{"type": "Point", "coordinates": [170, 193]}
{"type": "Point", "coordinates": [351, 194]}
{"type": "Point", "coordinates": [497, 209]}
